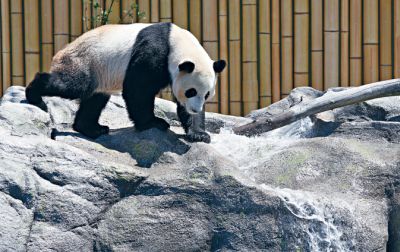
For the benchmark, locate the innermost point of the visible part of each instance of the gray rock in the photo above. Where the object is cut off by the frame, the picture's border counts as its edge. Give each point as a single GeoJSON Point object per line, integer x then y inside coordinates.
{"type": "Point", "coordinates": [326, 183]}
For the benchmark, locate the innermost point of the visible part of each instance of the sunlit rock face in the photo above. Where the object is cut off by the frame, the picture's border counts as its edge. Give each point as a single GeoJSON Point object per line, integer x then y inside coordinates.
{"type": "Point", "coordinates": [326, 183]}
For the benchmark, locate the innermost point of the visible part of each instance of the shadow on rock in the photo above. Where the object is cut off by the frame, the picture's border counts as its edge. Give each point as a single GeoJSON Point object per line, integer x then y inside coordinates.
{"type": "Point", "coordinates": [145, 147]}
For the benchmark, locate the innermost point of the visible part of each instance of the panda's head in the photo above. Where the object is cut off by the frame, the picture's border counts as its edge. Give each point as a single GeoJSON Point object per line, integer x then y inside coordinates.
{"type": "Point", "coordinates": [194, 85]}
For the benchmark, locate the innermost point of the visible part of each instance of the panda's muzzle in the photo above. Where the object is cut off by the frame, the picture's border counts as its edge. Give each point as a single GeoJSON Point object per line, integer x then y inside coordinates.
{"type": "Point", "coordinates": [194, 105]}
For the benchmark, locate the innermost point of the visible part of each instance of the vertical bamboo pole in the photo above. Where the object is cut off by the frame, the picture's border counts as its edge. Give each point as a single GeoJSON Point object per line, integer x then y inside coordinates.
{"type": "Point", "coordinates": [249, 56]}
{"type": "Point", "coordinates": [371, 41]}
{"type": "Point", "coordinates": [32, 47]}
{"type": "Point", "coordinates": [61, 24]}
{"type": "Point", "coordinates": [114, 17]}
{"type": "Point", "coordinates": [5, 44]}
{"type": "Point", "coordinates": [287, 46]}
{"type": "Point", "coordinates": [317, 45]}
{"type": "Point", "coordinates": [126, 9]}
{"type": "Point", "coordinates": [166, 16]}
{"type": "Point", "coordinates": [344, 44]}
{"type": "Point", "coordinates": [265, 52]}
{"type": "Point", "coordinates": [87, 13]}
{"type": "Point", "coordinates": [301, 30]}
{"type": "Point", "coordinates": [76, 19]}
{"type": "Point", "coordinates": [47, 34]}
{"type": "Point", "coordinates": [144, 7]}
{"type": "Point", "coordinates": [223, 54]}
{"type": "Point", "coordinates": [275, 39]}
{"type": "Point", "coordinates": [165, 11]}
{"type": "Point", "coordinates": [385, 40]}
{"type": "Point", "coordinates": [355, 42]}
{"type": "Point", "coordinates": [195, 18]}
{"type": "Point", "coordinates": [155, 11]}
{"type": "Point", "coordinates": [17, 43]}
{"type": "Point", "coordinates": [396, 41]}
{"type": "Point", "coordinates": [331, 44]}
{"type": "Point", "coordinates": [210, 41]}
{"type": "Point", "coordinates": [180, 13]}
{"type": "Point", "coordinates": [235, 74]}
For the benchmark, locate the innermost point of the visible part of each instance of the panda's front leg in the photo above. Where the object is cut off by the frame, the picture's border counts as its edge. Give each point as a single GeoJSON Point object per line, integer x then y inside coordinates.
{"type": "Point", "coordinates": [140, 108]}
{"type": "Point", "coordinates": [193, 124]}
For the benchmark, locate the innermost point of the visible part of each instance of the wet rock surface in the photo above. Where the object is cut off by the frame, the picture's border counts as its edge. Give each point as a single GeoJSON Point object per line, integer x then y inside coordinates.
{"type": "Point", "coordinates": [326, 183]}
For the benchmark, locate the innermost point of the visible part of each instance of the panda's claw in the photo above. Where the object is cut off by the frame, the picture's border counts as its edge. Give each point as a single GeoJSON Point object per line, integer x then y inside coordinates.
{"type": "Point", "coordinates": [199, 136]}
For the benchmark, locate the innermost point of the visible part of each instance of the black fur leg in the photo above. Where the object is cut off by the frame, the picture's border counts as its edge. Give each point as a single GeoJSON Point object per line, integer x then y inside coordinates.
{"type": "Point", "coordinates": [194, 125]}
{"type": "Point", "coordinates": [146, 75]}
{"type": "Point", "coordinates": [140, 106]}
{"type": "Point", "coordinates": [87, 117]}
{"type": "Point", "coordinates": [35, 90]}
{"type": "Point", "coordinates": [184, 117]}
{"type": "Point", "coordinates": [64, 85]}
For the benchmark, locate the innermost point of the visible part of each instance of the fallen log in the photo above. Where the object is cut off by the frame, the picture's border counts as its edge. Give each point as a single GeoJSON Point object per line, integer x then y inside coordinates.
{"type": "Point", "coordinates": [335, 100]}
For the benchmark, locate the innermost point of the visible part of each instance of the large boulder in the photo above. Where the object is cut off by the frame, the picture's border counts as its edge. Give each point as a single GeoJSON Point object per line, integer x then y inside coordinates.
{"type": "Point", "coordinates": [325, 183]}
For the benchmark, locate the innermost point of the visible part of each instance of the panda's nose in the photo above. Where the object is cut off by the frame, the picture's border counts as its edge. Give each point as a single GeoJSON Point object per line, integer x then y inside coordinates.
{"type": "Point", "coordinates": [195, 110]}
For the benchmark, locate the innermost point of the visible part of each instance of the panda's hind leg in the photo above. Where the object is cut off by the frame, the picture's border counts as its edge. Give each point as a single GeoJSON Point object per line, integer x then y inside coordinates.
{"type": "Point", "coordinates": [88, 114]}
{"type": "Point", "coordinates": [36, 89]}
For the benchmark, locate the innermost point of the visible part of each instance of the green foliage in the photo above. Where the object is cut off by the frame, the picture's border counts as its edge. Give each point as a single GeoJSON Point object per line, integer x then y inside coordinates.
{"type": "Point", "coordinates": [100, 16]}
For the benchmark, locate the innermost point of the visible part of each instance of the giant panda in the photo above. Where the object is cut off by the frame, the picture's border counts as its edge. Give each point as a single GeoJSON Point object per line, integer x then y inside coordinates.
{"type": "Point", "coordinates": [140, 60]}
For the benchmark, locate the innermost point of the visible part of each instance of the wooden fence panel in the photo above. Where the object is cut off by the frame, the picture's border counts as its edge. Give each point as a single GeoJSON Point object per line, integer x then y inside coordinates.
{"type": "Point", "coordinates": [276, 49]}
{"type": "Point", "coordinates": [344, 44]}
{"type": "Point", "coordinates": [371, 41]}
{"type": "Point", "coordinates": [331, 43]}
{"type": "Point", "coordinates": [271, 46]}
{"type": "Point", "coordinates": [223, 54]}
{"type": "Point", "coordinates": [32, 40]}
{"type": "Point", "coordinates": [355, 42]}
{"type": "Point", "coordinates": [235, 58]}
{"type": "Point", "coordinates": [17, 44]}
{"type": "Point", "coordinates": [264, 30]}
{"type": "Point", "coordinates": [5, 45]}
{"type": "Point", "coordinates": [76, 19]}
{"type": "Point", "coordinates": [301, 43]}
{"type": "Point", "coordinates": [317, 45]}
{"type": "Point", "coordinates": [287, 47]}
{"type": "Point", "coordinates": [210, 41]}
{"type": "Point", "coordinates": [61, 24]}
{"type": "Point", "coordinates": [385, 68]}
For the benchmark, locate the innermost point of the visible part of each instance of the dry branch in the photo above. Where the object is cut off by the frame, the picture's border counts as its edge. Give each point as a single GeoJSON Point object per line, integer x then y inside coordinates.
{"type": "Point", "coordinates": [321, 104]}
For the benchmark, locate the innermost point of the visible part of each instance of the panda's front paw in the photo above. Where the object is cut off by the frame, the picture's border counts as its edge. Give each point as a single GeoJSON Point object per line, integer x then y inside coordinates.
{"type": "Point", "coordinates": [200, 136]}
{"type": "Point", "coordinates": [158, 123]}
{"type": "Point", "coordinates": [93, 131]}
{"type": "Point", "coordinates": [42, 106]}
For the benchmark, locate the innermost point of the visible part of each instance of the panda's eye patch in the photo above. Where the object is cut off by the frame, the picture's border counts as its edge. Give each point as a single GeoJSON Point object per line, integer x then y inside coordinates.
{"type": "Point", "coordinates": [190, 93]}
{"type": "Point", "coordinates": [207, 95]}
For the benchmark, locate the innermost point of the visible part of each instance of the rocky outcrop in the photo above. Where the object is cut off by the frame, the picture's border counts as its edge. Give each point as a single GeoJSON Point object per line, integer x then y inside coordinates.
{"type": "Point", "coordinates": [327, 183]}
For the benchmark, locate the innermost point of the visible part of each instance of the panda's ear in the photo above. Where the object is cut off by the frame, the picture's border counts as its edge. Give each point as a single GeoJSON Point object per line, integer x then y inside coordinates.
{"type": "Point", "coordinates": [219, 65]}
{"type": "Point", "coordinates": [186, 66]}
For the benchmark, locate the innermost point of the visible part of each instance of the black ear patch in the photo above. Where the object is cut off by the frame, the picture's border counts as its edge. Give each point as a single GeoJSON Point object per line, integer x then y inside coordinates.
{"type": "Point", "coordinates": [186, 66]}
{"type": "Point", "coordinates": [219, 65]}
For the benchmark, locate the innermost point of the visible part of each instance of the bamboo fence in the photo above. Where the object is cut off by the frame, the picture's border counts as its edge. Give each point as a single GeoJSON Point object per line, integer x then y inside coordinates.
{"type": "Point", "coordinates": [271, 46]}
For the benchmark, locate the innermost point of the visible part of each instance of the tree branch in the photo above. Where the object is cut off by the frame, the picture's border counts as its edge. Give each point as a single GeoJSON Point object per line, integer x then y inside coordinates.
{"type": "Point", "coordinates": [320, 104]}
